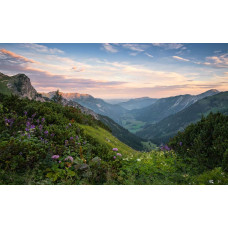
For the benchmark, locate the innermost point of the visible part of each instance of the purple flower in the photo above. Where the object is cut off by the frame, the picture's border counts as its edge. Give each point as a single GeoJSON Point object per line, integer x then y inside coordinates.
{"type": "Point", "coordinates": [25, 113]}
{"type": "Point", "coordinates": [114, 157]}
{"type": "Point", "coordinates": [43, 119]}
{"type": "Point", "coordinates": [76, 137]}
{"type": "Point", "coordinates": [41, 127]}
{"type": "Point", "coordinates": [115, 149]}
{"type": "Point", "coordinates": [20, 153]}
{"type": "Point", "coordinates": [38, 121]}
{"type": "Point", "coordinates": [52, 134]}
{"type": "Point", "coordinates": [71, 138]}
{"type": "Point", "coordinates": [180, 143]}
{"type": "Point", "coordinates": [33, 115]}
{"type": "Point", "coordinates": [118, 154]}
{"type": "Point", "coordinates": [46, 132]}
{"type": "Point", "coordinates": [167, 148]}
{"type": "Point", "coordinates": [70, 124]}
{"type": "Point", "coordinates": [59, 161]}
{"type": "Point", "coordinates": [84, 143]}
{"type": "Point", "coordinates": [32, 126]}
{"type": "Point", "coordinates": [26, 129]}
{"type": "Point", "coordinates": [66, 142]}
{"type": "Point", "coordinates": [55, 157]}
{"type": "Point", "coordinates": [69, 158]}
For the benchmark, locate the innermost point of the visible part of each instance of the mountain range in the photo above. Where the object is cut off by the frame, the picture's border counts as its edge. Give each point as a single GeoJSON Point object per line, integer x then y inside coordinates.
{"type": "Point", "coordinates": [168, 127]}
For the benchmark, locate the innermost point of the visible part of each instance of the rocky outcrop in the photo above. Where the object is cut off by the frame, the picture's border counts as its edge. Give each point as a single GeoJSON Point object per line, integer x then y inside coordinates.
{"type": "Point", "coordinates": [21, 85]}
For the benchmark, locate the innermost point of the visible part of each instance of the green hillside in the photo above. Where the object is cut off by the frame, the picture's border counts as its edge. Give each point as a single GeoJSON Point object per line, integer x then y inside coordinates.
{"type": "Point", "coordinates": [168, 127]}
{"type": "Point", "coordinates": [47, 143]}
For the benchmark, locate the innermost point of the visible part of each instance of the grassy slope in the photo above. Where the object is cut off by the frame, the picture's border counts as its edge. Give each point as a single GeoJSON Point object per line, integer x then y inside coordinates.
{"type": "Point", "coordinates": [105, 137]}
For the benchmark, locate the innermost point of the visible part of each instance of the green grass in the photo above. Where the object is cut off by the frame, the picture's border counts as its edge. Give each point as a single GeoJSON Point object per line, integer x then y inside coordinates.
{"type": "Point", "coordinates": [105, 137]}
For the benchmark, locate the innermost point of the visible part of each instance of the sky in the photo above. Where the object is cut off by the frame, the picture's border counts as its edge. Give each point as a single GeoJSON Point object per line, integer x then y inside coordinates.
{"type": "Point", "coordinates": [119, 70]}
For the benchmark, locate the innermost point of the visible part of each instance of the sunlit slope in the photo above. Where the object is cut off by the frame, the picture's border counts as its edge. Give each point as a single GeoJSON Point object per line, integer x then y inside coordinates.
{"type": "Point", "coordinates": [105, 137]}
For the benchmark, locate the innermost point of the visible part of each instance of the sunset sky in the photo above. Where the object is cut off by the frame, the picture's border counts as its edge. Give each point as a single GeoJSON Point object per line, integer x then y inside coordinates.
{"type": "Point", "coordinates": [119, 70]}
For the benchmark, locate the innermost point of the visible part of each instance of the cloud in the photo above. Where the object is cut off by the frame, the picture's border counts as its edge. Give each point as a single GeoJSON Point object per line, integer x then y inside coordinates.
{"type": "Point", "coordinates": [136, 47]}
{"type": "Point", "coordinates": [110, 48]}
{"type": "Point", "coordinates": [42, 49]}
{"type": "Point", "coordinates": [149, 55]}
{"type": "Point", "coordinates": [220, 61]}
{"type": "Point", "coordinates": [8, 55]}
{"type": "Point", "coordinates": [169, 46]}
{"type": "Point", "coordinates": [77, 69]}
{"type": "Point", "coordinates": [180, 58]}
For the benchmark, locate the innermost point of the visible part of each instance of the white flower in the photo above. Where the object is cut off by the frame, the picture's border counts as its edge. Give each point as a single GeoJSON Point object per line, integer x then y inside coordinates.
{"type": "Point", "coordinates": [138, 160]}
{"type": "Point", "coordinates": [211, 181]}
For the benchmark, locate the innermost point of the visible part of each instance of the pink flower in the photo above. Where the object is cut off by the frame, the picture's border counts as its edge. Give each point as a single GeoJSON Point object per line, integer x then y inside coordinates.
{"type": "Point", "coordinates": [69, 158]}
{"type": "Point", "coordinates": [55, 157]}
{"type": "Point", "coordinates": [115, 149]}
{"type": "Point", "coordinates": [118, 154]}
{"type": "Point", "coordinates": [114, 157]}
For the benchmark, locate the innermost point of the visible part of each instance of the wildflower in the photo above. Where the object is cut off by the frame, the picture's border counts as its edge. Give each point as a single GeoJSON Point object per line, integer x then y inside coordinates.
{"type": "Point", "coordinates": [52, 134]}
{"type": "Point", "coordinates": [32, 126]}
{"type": "Point", "coordinates": [71, 138]}
{"type": "Point", "coordinates": [20, 153]}
{"type": "Point", "coordinates": [46, 132]}
{"type": "Point", "coordinates": [26, 129]}
{"type": "Point", "coordinates": [42, 120]}
{"type": "Point", "coordinates": [115, 149]}
{"type": "Point", "coordinates": [33, 115]}
{"type": "Point", "coordinates": [66, 142]}
{"type": "Point", "coordinates": [25, 113]}
{"type": "Point", "coordinates": [138, 159]}
{"type": "Point", "coordinates": [118, 154]}
{"type": "Point", "coordinates": [41, 127]}
{"type": "Point", "coordinates": [79, 143]}
{"type": "Point", "coordinates": [38, 121]}
{"type": "Point", "coordinates": [84, 143]}
{"type": "Point", "coordinates": [69, 158]}
{"type": "Point", "coordinates": [180, 143]}
{"type": "Point", "coordinates": [76, 137]}
{"type": "Point", "coordinates": [114, 157]}
{"type": "Point", "coordinates": [70, 124]}
{"type": "Point", "coordinates": [59, 161]}
{"type": "Point", "coordinates": [55, 157]}
{"type": "Point", "coordinates": [167, 148]}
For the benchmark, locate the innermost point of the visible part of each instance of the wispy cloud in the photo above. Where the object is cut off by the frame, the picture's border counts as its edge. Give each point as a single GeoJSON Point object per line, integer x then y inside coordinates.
{"type": "Point", "coordinates": [180, 58]}
{"type": "Point", "coordinates": [42, 48]}
{"type": "Point", "coordinates": [220, 61]}
{"type": "Point", "coordinates": [6, 55]}
{"type": "Point", "coordinates": [110, 48]}
{"type": "Point", "coordinates": [136, 47]}
{"type": "Point", "coordinates": [169, 46]}
{"type": "Point", "coordinates": [149, 55]}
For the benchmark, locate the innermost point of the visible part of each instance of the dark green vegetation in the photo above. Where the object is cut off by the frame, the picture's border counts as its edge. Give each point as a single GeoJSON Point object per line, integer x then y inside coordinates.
{"type": "Point", "coordinates": [206, 142]}
{"type": "Point", "coordinates": [123, 134]}
{"type": "Point", "coordinates": [168, 127]}
{"type": "Point", "coordinates": [47, 143]}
